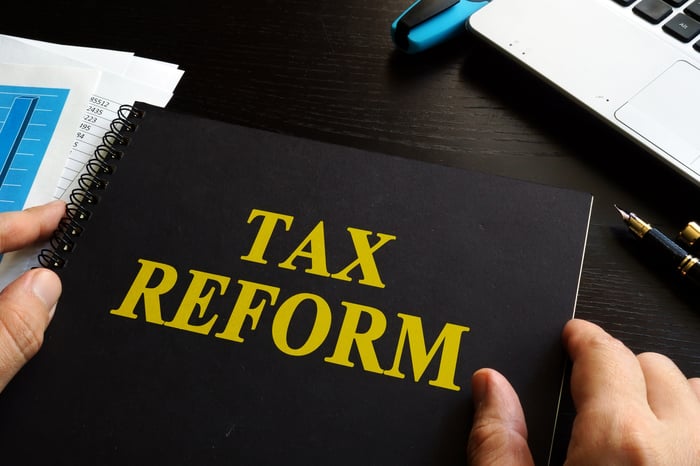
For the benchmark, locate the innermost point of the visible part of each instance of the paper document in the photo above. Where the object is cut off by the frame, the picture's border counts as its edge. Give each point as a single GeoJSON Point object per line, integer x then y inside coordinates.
{"type": "Point", "coordinates": [117, 78]}
{"type": "Point", "coordinates": [40, 108]}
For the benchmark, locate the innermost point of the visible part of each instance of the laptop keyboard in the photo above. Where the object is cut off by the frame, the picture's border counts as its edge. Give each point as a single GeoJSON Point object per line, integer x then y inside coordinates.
{"type": "Point", "coordinates": [678, 18]}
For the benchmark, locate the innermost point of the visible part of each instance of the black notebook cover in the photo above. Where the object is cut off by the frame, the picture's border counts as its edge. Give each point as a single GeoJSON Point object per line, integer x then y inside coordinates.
{"type": "Point", "coordinates": [249, 298]}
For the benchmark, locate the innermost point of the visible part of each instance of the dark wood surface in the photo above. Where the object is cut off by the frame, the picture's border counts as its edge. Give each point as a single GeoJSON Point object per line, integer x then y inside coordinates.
{"type": "Point", "coordinates": [328, 70]}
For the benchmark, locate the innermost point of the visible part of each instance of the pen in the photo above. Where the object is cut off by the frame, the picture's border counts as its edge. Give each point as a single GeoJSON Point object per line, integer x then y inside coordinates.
{"type": "Point", "coordinates": [426, 23]}
{"type": "Point", "coordinates": [662, 247]}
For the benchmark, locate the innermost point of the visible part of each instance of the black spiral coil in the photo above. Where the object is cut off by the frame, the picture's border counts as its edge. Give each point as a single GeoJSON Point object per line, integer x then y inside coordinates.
{"type": "Point", "coordinates": [96, 177]}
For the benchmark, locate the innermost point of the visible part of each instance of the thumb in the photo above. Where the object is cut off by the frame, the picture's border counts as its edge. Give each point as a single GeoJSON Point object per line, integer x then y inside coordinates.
{"type": "Point", "coordinates": [499, 433]}
{"type": "Point", "coordinates": [26, 307]}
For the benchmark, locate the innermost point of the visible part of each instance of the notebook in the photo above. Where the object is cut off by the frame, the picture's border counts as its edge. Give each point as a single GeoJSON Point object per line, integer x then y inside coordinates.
{"type": "Point", "coordinates": [234, 296]}
{"type": "Point", "coordinates": [634, 63]}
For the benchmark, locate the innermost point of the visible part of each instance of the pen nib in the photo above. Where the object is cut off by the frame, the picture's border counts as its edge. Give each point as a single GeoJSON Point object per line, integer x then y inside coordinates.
{"type": "Point", "coordinates": [625, 216]}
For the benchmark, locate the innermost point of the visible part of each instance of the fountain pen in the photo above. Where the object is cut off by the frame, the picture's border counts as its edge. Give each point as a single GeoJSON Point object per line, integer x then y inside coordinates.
{"type": "Point", "coordinates": [664, 250]}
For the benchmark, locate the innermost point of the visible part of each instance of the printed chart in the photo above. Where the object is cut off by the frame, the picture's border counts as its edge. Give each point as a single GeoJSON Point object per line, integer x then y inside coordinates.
{"type": "Point", "coordinates": [28, 118]}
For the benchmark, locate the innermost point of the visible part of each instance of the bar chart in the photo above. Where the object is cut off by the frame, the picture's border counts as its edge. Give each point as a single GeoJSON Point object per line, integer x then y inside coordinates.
{"type": "Point", "coordinates": [28, 118]}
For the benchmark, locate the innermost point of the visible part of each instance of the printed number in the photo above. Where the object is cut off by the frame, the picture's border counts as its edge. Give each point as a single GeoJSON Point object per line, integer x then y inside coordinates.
{"type": "Point", "coordinates": [90, 118]}
{"type": "Point", "coordinates": [80, 135]}
{"type": "Point", "coordinates": [85, 126]}
{"type": "Point", "coordinates": [100, 102]}
{"type": "Point", "coordinates": [95, 110]}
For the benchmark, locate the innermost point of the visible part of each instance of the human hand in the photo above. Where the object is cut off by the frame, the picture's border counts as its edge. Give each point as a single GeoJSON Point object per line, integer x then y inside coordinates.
{"type": "Point", "coordinates": [28, 303]}
{"type": "Point", "coordinates": [630, 409]}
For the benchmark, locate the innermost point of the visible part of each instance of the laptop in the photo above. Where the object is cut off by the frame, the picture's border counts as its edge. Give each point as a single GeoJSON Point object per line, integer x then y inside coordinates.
{"type": "Point", "coordinates": [634, 63]}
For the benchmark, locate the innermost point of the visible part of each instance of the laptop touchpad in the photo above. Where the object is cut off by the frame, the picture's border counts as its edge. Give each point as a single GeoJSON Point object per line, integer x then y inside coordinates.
{"type": "Point", "coordinates": [665, 113]}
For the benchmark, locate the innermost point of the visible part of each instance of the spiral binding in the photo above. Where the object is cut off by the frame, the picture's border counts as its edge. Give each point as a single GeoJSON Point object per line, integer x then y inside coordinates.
{"type": "Point", "coordinates": [95, 179]}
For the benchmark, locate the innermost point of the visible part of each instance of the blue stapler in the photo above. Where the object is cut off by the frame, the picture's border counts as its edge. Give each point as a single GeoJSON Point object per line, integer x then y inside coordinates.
{"type": "Point", "coordinates": [429, 22]}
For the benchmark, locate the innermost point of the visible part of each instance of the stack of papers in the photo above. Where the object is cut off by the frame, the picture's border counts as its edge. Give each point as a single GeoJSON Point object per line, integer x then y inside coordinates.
{"type": "Point", "coordinates": [56, 103]}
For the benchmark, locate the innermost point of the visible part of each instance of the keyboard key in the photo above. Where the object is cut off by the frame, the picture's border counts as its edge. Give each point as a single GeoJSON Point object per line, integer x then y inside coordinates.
{"type": "Point", "coordinates": [625, 2]}
{"type": "Point", "coordinates": [653, 11]}
{"type": "Point", "coordinates": [682, 27]}
{"type": "Point", "coordinates": [675, 3]}
{"type": "Point", "coordinates": [697, 46]}
{"type": "Point", "coordinates": [693, 10]}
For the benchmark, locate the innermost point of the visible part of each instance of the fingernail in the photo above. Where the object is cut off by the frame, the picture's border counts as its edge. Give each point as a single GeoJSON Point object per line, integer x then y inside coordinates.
{"type": "Point", "coordinates": [55, 201]}
{"type": "Point", "coordinates": [46, 286]}
{"type": "Point", "coordinates": [479, 382]}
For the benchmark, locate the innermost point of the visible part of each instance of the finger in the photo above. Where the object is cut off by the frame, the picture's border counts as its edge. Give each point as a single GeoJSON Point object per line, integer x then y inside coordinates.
{"type": "Point", "coordinates": [21, 228]}
{"type": "Point", "coordinates": [669, 393]}
{"type": "Point", "coordinates": [499, 433]}
{"type": "Point", "coordinates": [26, 307]}
{"type": "Point", "coordinates": [605, 372]}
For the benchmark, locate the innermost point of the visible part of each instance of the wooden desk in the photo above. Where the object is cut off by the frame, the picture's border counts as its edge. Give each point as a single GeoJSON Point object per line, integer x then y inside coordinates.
{"type": "Point", "coordinates": [328, 70]}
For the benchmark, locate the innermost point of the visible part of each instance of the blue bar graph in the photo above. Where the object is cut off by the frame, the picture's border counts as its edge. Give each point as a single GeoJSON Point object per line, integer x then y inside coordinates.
{"type": "Point", "coordinates": [13, 130]}
{"type": "Point", "coordinates": [28, 118]}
